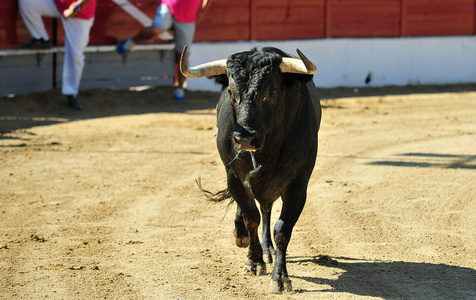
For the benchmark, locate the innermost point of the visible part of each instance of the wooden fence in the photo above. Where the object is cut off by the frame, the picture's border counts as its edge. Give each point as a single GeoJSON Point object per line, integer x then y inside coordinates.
{"type": "Point", "coordinates": [231, 20]}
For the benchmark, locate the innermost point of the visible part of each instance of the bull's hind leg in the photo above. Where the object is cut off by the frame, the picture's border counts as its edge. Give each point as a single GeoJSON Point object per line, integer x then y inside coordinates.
{"type": "Point", "coordinates": [251, 218]}
{"type": "Point", "coordinates": [266, 242]}
{"type": "Point", "coordinates": [293, 203]}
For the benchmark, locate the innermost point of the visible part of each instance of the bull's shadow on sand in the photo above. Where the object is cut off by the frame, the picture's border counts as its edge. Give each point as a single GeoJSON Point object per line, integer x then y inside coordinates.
{"type": "Point", "coordinates": [429, 160]}
{"type": "Point", "coordinates": [391, 279]}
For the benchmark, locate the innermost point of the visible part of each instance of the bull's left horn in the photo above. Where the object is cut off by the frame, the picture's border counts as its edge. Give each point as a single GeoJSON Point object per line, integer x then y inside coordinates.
{"type": "Point", "coordinates": [213, 68]}
{"type": "Point", "coordinates": [298, 66]}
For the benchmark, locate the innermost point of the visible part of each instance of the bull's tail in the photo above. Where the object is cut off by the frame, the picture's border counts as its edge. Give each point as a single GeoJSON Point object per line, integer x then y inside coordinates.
{"type": "Point", "coordinates": [219, 196]}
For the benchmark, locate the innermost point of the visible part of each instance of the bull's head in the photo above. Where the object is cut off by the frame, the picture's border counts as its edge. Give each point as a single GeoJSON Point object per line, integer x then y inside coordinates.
{"type": "Point", "coordinates": [255, 84]}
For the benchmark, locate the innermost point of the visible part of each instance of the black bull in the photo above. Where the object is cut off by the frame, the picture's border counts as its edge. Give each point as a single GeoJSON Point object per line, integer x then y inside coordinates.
{"type": "Point", "coordinates": [268, 117]}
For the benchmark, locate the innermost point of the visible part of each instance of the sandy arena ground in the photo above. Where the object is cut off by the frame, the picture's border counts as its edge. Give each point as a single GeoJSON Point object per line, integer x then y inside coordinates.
{"type": "Point", "coordinates": [102, 203]}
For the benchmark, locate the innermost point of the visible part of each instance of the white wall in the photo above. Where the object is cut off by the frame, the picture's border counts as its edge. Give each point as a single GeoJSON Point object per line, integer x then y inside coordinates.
{"type": "Point", "coordinates": [347, 62]}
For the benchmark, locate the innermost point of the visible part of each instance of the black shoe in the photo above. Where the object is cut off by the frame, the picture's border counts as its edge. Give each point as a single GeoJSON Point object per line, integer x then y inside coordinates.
{"type": "Point", "coordinates": [37, 44]}
{"type": "Point", "coordinates": [74, 103]}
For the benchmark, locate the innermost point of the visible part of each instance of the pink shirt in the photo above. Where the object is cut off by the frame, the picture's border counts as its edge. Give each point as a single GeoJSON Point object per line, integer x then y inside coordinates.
{"type": "Point", "coordinates": [184, 11]}
{"type": "Point", "coordinates": [86, 13]}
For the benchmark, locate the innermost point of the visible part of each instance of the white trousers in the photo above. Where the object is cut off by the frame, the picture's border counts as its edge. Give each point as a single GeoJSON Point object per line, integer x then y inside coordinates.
{"type": "Point", "coordinates": [76, 38]}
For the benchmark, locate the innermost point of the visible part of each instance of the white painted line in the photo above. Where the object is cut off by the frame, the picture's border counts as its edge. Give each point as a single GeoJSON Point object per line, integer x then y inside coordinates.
{"type": "Point", "coordinates": [140, 17]}
{"type": "Point", "coordinates": [134, 12]}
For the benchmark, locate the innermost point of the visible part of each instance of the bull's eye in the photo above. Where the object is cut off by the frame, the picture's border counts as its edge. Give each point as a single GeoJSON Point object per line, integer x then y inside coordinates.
{"type": "Point", "coordinates": [269, 96]}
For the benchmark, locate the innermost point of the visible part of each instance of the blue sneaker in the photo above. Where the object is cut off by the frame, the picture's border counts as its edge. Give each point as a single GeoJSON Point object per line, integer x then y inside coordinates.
{"type": "Point", "coordinates": [179, 95]}
{"type": "Point", "coordinates": [124, 46]}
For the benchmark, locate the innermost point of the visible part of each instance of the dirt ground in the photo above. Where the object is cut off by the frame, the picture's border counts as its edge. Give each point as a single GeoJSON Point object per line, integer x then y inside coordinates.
{"type": "Point", "coordinates": [102, 203]}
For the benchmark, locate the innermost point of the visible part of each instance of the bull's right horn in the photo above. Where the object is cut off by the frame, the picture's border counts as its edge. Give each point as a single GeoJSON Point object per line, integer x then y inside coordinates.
{"type": "Point", "coordinates": [217, 67]}
{"type": "Point", "coordinates": [298, 66]}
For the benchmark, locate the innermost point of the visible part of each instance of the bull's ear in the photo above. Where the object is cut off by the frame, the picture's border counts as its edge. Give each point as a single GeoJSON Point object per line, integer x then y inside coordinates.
{"type": "Point", "coordinates": [289, 78]}
{"type": "Point", "coordinates": [220, 80]}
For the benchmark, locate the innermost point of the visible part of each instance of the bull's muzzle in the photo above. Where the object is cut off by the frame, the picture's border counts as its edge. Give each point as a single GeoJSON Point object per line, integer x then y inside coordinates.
{"type": "Point", "coordinates": [245, 141]}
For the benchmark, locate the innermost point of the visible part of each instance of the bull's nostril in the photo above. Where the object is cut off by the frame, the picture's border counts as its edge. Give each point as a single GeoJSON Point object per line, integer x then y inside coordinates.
{"type": "Point", "coordinates": [249, 142]}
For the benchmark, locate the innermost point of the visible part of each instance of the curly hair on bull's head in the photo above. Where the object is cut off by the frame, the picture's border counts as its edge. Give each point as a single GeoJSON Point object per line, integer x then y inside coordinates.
{"type": "Point", "coordinates": [258, 62]}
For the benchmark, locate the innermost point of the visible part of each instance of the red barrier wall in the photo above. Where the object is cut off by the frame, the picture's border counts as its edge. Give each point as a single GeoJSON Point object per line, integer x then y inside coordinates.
{"type": "Point", "coordinates": [225, 20]}
{"type": "Point", "coordinates": [438, 17]}
{"type": "Point", "coordinates": [283, 19]}
{"type": "Point", "coordinates": [12, 30]}
{"type": "Point", "coordinates": [370, 18]}
{"type": "Point", "coordinates": [230, 20]}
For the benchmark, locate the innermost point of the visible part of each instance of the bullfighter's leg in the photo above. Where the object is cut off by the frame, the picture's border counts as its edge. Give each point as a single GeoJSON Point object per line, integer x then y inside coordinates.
{"type": "Point", "coordinates": [240, 232]}
{"type": "Point", "coordinates": [266, 242]}
{"type": "Point", "coordinates": [251, 218]}
{"type": "Point", "coordinates": [293, 203]}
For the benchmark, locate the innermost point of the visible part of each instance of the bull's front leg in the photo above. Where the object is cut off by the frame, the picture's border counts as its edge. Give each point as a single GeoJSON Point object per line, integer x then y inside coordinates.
{"type": "Point", "coordinates": [255, 263]}
{"type": "Point", "coordinates": [240, 232]}
{"type": "Point", "coordinates": [251, 218]}
{"type": "Point", "coordinates": [266, 242]}
{"type": "Point", "coordinates": [293, 203]}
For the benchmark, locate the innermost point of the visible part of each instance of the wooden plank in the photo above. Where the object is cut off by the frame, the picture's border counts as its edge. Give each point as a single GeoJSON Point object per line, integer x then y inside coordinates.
{"type": "Point", "coordinates": [367, 29]}
{"type": "Point", "coordinates": [441, 9]}
{"type": "Point", "coordinates": [287, 19]}
{"type": "Point", "coordinates": [289, 31]}
{"type": "Point", "coordinates": [276, 15]}
{"type": "Point", "coordinates": [369, 18]}
{"type": "Point", "coordinates": [274, 3]}
{"type": "Point", "coordinates": [235, 32]}
{"type": "Point", "coordinates": [253, 20]}
{"type": "Point", "coordinates": [434, 28]}
{"type": "Point", "coordinates": [363, 2]}
{"type": "Point", "coordinates": [223, 15]}
{"type": "Point", "coordinates": [225, 20]}
{"type": "Point", "coordinates": [271, 2]}
{"type": "Point", "coordinates": [12, 29]}
{"type": "Point", "coordinates": [438, 17]}
{"type": "Point", "coordinates": [230, 3]}
{"type": "Point", "coordinates": [355, 13]}
{"type": "Point", "coordinates": [8, 17]}
{"type": "Point", "coordinates": [438, 2]}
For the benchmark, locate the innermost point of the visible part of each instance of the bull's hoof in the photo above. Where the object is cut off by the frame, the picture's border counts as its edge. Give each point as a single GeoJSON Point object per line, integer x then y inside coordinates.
{"type": "Point", "coordinates": [278, 286]}
{"type": "Point", "coordinates": [256, 268]}
{"type": "Point", "coordinates": [242, 242]}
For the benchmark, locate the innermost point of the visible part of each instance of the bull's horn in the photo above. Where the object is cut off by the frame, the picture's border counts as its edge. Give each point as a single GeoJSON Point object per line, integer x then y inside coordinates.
{"type": "Point", "coordinates": [298, 66]}
{"type": "Point", "coordinates": [213, 68]}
